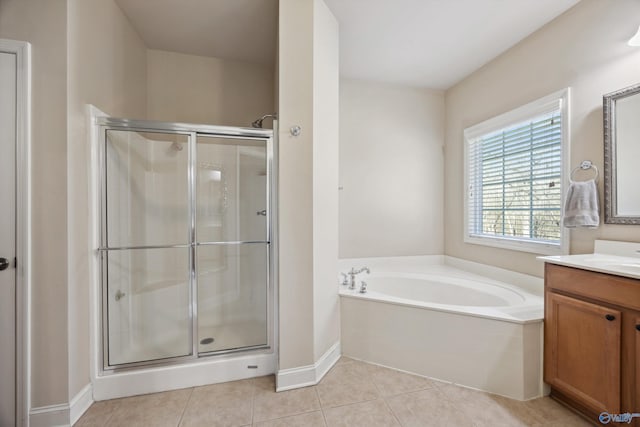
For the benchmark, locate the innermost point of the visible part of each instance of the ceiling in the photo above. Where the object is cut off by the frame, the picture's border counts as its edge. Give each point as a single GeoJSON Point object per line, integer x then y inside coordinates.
{"type": "Point", "coordinates": [429, 43]}
{"type": "Point", "coordinates": [241, 30]}
{"type": "Point", "coordinates": [432, 43]}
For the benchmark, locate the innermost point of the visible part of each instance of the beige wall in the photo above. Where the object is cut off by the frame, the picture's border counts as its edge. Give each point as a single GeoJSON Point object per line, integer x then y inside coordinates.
{"type": "Point", "coordinates": [308, 97]}
{"type": "Point", "coordinates": [295, 182]}
{"type": "Point", "coordinates": [326, 83]}
{"type": "Point", "coordinates": [585, 48]}
{"type": "Point", "coordinates": [198, 89]}
{"type": "Point", "coordinates": [106, 68]}
{"type": "Point", "coordinates": [43, 24]}
{"type": "Point", "coordinates": [391, 170]}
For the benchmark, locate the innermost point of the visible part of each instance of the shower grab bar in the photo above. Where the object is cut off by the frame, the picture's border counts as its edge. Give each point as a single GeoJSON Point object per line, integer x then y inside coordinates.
{"type": "Point", "coordinates": [126, 248]}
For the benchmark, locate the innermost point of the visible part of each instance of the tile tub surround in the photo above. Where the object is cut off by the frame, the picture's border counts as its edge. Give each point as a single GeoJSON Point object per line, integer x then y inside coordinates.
{"type": "Point", "coordinates": [352, 394]}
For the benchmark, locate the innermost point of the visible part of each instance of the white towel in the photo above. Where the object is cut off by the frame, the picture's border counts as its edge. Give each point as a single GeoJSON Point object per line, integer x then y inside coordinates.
{"type": "Point", "coordinates": [581, 206]}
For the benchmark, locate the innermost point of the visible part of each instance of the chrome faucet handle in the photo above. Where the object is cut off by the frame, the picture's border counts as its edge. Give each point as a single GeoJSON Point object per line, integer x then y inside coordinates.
{"type": "Point", "coordinates": [363, 287]}
{"type": "Point", "coordinates": [345, 279]}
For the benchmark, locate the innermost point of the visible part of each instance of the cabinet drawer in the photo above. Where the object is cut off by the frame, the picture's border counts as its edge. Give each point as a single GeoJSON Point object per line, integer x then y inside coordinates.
{"type": "Point", "coordinates": [598, 286]}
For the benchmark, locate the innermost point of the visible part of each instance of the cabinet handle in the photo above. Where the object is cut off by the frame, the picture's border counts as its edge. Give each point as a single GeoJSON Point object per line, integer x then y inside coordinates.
{"type": "Point", "coordinates": [610, 317]}
{"type": "Point", "coordinates": [638, 327]}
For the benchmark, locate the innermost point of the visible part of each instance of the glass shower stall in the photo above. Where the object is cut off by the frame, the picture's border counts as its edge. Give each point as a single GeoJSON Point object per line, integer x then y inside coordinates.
{"type": "Point", "coordinates": [186, 247]}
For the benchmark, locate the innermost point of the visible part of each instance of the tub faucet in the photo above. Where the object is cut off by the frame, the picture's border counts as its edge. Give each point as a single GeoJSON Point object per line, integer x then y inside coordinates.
{"type": "Point", "coordinates": [353, 273]}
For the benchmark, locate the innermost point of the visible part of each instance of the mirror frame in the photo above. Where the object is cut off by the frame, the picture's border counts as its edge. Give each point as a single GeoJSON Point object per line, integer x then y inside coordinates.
{"type": "Point", "coordinates": [610, 181]}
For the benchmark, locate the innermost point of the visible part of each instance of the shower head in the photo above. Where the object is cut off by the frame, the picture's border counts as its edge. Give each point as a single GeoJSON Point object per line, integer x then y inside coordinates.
{"type": "Point", "coordinates": [258, 123]}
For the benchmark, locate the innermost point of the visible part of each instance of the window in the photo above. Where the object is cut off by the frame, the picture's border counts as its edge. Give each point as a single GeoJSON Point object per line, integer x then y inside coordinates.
{"type": "Point", "coordinates": [514, 177]}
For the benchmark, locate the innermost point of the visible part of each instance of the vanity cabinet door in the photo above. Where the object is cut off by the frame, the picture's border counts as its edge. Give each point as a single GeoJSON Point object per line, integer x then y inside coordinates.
{"type": "Point", "coordinates": [636, 368]}
{"type": "Point", "coordinates": [582, 352]}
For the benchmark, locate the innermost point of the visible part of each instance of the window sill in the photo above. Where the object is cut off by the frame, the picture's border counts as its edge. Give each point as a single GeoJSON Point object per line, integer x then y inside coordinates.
{"type": "Point", "coordinates": [518, 245]}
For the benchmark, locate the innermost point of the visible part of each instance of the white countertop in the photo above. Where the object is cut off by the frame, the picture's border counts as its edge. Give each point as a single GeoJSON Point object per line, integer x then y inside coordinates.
{"type": "Point", "coordinates": [618, 258]}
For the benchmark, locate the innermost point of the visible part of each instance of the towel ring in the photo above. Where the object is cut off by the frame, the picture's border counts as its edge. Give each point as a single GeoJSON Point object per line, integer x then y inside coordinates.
{"type": "Point", "coordinates": [586, 164]}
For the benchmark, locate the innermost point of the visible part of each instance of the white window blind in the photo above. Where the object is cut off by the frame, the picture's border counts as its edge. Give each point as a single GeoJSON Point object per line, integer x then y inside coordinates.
{"type": "Point", "coordinates": [514, 179]}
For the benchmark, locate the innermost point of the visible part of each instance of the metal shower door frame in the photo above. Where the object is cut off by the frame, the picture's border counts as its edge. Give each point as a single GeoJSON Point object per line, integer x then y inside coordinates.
{"type": "Point", "coordinates": [192, 131]}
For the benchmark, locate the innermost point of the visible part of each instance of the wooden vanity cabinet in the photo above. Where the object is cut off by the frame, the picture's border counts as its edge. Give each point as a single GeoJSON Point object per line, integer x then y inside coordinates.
{"type": "Point", "coordinates": [592, 341]}
{"type": "Point", "coordinates": [583, 358]}
{"type": "Point", "coordinates": [636, 362]}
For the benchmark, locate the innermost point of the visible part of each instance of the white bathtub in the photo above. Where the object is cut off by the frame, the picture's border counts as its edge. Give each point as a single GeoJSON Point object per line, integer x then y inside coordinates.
{"type": "Point", "coordinates": [439, 317]}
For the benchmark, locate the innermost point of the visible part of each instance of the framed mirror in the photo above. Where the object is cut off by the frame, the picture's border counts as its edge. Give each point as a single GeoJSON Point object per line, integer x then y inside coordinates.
{"type": "Point", "coordinates": [621, 156]}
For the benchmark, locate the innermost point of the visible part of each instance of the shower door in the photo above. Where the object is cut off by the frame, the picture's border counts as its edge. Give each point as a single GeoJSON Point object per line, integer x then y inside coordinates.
{"type": "Point", "coordinates": [146, 234]}
{"type": "Point", "coordinates": [231, 243]}
{"type": "Point", "coordinates": [185, 241]}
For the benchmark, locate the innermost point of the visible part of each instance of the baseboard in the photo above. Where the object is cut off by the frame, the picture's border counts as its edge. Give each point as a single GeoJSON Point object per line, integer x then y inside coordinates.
{"type": "Point", "coordinates": [80, 403]}
{"type": "Point", "coordinates": [287, 379]}
{"type": "Point", "coordinates": [303, 376]}
{"type": "Point", "coordinates": [65, 414]}
{"type": "Point", "coordinates": [49, 416]}
{"type": "Point", "coordinates": [327, 360]}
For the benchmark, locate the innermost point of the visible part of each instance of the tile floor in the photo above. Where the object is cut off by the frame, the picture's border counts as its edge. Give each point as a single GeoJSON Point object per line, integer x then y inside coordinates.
{"type": "Point", "coordinates": [352, 394]}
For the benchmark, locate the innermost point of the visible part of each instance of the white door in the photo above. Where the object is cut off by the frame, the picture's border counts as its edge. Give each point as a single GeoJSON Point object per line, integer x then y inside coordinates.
{"type": "Point", "coordinates": [8, 87]}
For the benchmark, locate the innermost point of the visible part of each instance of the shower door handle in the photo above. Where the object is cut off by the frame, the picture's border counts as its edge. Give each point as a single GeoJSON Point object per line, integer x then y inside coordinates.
{"type": "Point", "coordinates": [262, 212]}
